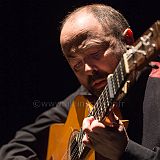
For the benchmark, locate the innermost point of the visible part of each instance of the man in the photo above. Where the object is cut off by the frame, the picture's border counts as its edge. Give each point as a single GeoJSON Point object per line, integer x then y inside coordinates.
{"type": "Point", "coordinates": [93, 39]}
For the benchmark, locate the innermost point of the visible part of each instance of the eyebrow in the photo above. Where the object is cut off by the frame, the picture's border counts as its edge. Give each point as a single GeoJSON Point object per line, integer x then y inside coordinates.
{"type": "Point", "coordinates": [71, 56]}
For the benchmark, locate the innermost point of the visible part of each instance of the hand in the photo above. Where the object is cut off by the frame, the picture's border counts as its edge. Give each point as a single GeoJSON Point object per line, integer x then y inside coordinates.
{"type": "Point", "coordinates": [108, 140]}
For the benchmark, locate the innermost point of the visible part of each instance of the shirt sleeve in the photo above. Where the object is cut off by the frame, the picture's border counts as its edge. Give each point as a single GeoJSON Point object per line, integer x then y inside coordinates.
{"type": "Point", "coordinates": [31, 141]}
{"type": "Point", "coordinates": [134, 151]}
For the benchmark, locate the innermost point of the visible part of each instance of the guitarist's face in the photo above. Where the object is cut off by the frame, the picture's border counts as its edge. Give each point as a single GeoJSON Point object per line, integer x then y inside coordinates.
{"type": "Point", "coordinates": [91, 52]}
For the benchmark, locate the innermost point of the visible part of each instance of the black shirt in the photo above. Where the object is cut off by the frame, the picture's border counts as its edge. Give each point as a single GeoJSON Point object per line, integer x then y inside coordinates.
{"type": "Point", "coordinates": [141, 107]}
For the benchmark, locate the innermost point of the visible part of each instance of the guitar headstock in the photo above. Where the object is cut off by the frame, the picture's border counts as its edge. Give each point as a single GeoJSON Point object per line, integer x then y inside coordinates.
{"type": "Point", "coordinates": [144, 50]}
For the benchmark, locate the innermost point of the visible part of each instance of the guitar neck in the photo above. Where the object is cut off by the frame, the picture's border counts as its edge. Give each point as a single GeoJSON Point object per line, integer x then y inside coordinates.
{"type": "Point", "coordinates": [136, 57]}
{"type": "Point", "coordinates": [108, 96]}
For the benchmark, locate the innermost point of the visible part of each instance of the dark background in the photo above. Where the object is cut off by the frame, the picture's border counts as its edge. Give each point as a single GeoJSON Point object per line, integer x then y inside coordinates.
{"type": "Point", "coordinates": [32, 67]}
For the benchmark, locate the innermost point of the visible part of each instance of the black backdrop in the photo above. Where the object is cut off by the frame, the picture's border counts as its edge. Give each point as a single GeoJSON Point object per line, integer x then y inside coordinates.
{"type": "Point", "coordinates": [34, 75]}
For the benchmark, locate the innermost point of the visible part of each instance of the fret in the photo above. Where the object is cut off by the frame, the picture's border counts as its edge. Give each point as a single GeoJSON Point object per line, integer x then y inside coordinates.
{"type": "Point", "coordinates": [110, 85]}
{"type": "Point", "coordinates": [101, 105]}
{"type": "Point", "coordinates": [114, 84]}
{"type": "Point", "coordinates": [120, 73]}
{"type": "Point", "coordinates": [105, 103]}
{"type": "Point", "coordinates": [117, 78]}
{"type": "Point", "coordinates": [121, 64]}
{"type": "Point", "coordinates": [106, 94]}
{"type": "Point", "coordinates": [124, 73]}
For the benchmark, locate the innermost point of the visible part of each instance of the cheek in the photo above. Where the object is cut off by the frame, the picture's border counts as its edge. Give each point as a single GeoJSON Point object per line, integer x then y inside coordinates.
{"type": "Point", "coordinates": [81, 78]}
{"type": "Point", "coordinates": [108, 63]}
{"type": "Point", "coordinates": [113, 62]}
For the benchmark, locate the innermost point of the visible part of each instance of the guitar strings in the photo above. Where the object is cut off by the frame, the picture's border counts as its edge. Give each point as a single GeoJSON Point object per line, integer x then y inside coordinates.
{"type": "Point", "coordinates": [96, 111]}
{"type": "Point", "coordinates": [76, 149]}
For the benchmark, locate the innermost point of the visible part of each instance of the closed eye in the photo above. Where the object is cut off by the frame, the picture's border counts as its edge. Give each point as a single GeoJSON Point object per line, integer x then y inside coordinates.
{"type": "Point", "coordinates": [78, 66]}
{"type": "Point", "coordinates": [96, 55]}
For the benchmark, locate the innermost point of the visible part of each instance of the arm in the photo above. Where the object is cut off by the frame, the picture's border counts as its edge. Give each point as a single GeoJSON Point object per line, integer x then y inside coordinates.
{"type": "Point", "coordinates": [135, 151]}
{"type": "Point", "coordinates": [31, 141]}
{"type": "Point", "coordinates": [111, 143]}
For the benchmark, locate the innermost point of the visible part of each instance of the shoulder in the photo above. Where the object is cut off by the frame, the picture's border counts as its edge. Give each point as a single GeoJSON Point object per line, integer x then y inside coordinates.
{"type": "Point", "coordinates": [59, 112]}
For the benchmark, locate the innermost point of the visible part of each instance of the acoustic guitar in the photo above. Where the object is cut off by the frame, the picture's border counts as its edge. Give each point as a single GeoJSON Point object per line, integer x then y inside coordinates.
{"type": "Point", "coordinates": [65, 140]}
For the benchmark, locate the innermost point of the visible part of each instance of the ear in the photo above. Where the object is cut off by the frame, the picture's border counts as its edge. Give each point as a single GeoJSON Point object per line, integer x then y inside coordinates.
{"type": "Point", "coordinates": [128, 36]}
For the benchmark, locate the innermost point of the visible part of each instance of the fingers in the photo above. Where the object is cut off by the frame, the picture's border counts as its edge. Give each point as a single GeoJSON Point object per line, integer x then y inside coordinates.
{"type": "Point", "coordinates": [90, 124]}
{"type": "Point", "coordinates": [89, 127]}
{"type": "Point", "coordinates": [93, 128]}
{"type": "Point", "coordinates": [112, 120]}
{"type": "Point", "coordinates": [105, 140]}
{"type": "Point", "coordinates": [87, 141]}
{"type": "Point", "coordinates": [120, 124]}
{"type": "Point", "coordinates": [86, 126]}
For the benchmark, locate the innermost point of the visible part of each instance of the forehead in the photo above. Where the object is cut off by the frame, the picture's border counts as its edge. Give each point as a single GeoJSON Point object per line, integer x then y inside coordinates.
{"type": "Point", "coordinates": [78, 28]}
{"type": "Point", "coordinates": [80, 22]}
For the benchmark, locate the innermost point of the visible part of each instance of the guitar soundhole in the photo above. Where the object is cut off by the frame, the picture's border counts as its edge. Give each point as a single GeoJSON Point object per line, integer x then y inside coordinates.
{"type": "Point", "coordinates": [72, 146]}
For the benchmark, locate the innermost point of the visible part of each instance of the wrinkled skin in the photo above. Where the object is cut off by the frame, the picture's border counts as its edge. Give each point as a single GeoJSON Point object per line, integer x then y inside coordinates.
{"type": "Point", "coordinates": [92, 55]}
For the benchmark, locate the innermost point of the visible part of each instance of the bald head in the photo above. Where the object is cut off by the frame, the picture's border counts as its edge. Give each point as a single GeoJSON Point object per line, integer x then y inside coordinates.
{"type": "Point", "coordinates": [106, 15]}
{"type": "Point", "coordinates": [77, 28]}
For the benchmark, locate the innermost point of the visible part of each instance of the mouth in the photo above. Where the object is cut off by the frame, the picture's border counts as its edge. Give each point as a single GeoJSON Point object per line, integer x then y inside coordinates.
{"type": "Point", "coordinates": [99, 83]}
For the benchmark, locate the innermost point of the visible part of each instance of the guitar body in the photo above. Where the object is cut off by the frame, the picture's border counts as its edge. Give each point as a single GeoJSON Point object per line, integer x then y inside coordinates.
{"type": "Point", "coordinates": [61, 134]}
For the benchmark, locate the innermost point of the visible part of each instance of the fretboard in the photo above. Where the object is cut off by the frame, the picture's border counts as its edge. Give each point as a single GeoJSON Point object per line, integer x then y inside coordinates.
{"type": "Point", "coordinates": [110, 92]}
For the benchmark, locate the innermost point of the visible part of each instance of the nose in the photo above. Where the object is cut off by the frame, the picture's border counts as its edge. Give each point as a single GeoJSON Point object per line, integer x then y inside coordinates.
{"type": "Point", "coordinates": [89, 69]}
